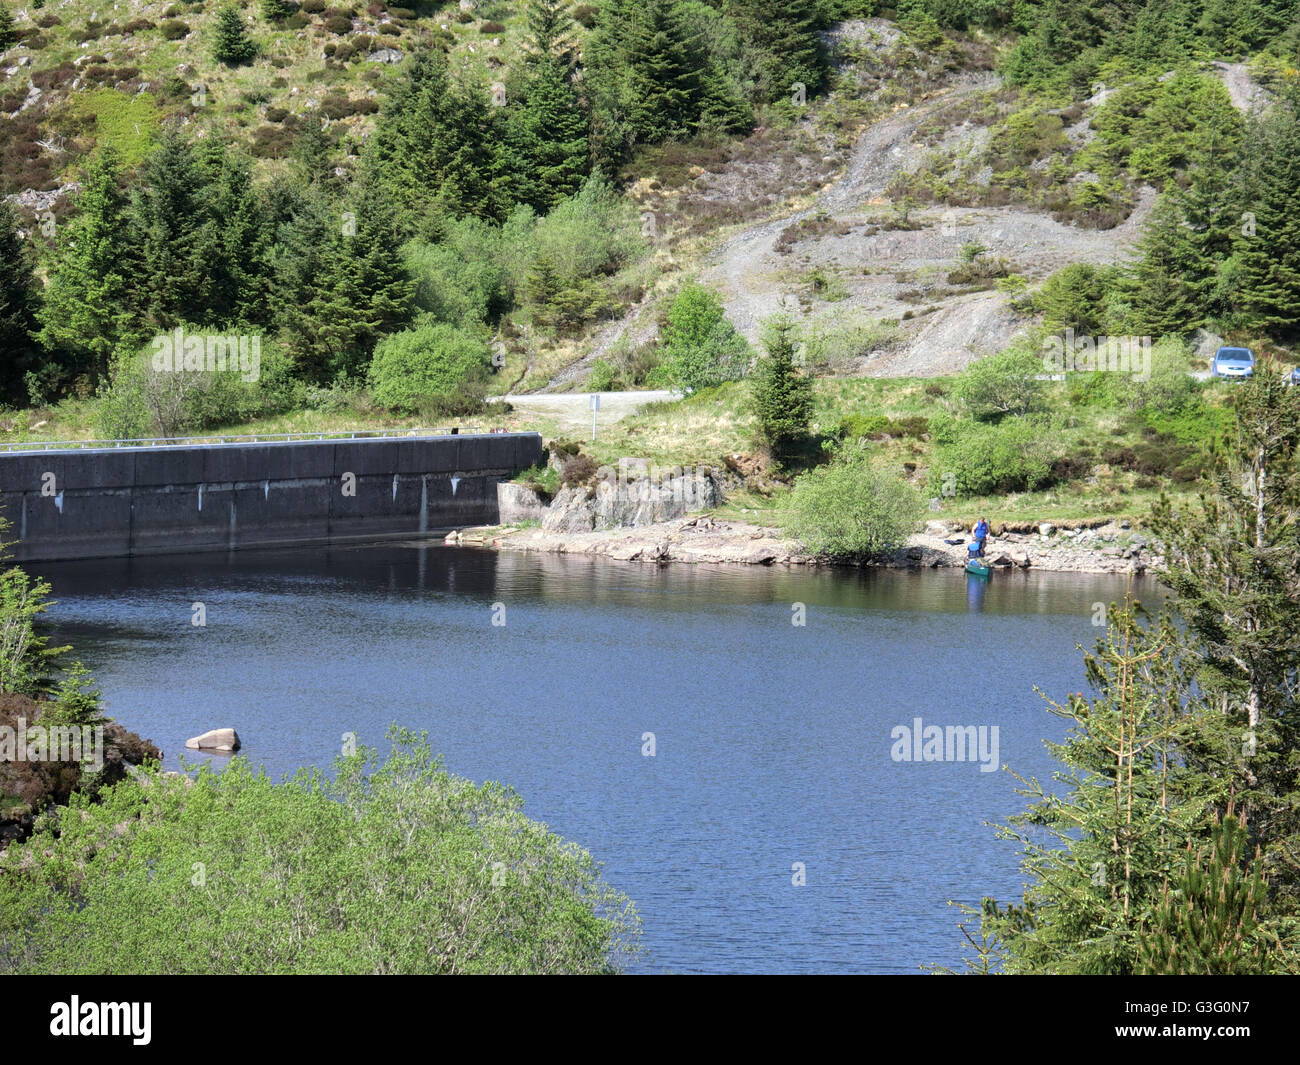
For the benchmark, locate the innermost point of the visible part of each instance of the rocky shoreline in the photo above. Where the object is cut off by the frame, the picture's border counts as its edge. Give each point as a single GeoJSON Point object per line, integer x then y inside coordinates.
{"type": "Point", "coordinates": [1100, 546]}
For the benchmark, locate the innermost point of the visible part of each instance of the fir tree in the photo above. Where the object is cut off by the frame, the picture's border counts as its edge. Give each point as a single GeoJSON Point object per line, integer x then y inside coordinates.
{"type": "Point", "coordinates": [275, 10]}
{"type": "Point", "coordinates": [1162, 300]}
{"type": "Point", "coordinates": [665, 68]}
{"type": "Point", "coordinates": [782, 395]}
{"type": "Point", "coordinates": [1098, 841]}
{"type": "Point", "coordinates": [436, 146]}
{"type": "Point", "coordinates": [89, 312]}
{"type": "Point", "coordinates": [168, 214]}
{"type": "Point", "coordinates": [790, 52]}
{"type": "Point", "coordinates": [551, 32]}
{"type": "Point", "coordinates": [363, 292]}
{"type": "Point", "coordinates": [231, 44]}
{"type": "Point", "coordinates": [547, 138]}
{"type": "Point", "coordinates": [1207, 922]}
{"type": "Point", "coordinates": [233, 240]}
{"type": "Point", "coordinates": [18, 303]}
{"type": "Point", "coordinates": [1269, 249]}
{"type": "Point", "coordinates": [8, 35]}
{"type": "Point", "coordinates": [1233, 562]}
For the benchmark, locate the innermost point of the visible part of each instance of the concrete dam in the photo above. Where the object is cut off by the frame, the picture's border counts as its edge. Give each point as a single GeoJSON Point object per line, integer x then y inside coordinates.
{"type": "Point", "coordinates": [112, 502]}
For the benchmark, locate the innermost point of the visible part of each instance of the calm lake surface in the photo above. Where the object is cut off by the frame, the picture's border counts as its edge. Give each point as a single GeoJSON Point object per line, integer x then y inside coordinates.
{"type": "Point", "coordinates": [773, 741]}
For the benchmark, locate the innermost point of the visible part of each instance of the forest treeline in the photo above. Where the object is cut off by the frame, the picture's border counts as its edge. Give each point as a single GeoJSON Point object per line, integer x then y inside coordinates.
{"type": "Point", "coordinates": [478, 210]}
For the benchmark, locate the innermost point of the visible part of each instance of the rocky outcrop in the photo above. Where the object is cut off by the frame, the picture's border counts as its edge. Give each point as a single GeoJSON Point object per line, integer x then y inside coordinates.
{"type": "Point", "coordinates": [30, 786]}
{"type": "Point", "coordinates": [518, 503]}
{"type": "Point", "coordinates": [218, 739]}
{"type": "Point", "coordinates": [630, 498]}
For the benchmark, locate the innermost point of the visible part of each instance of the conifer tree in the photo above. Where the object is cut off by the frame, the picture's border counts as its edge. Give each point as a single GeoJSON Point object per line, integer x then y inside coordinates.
{"type": "Point", "coordinates": [547, 146]}
{"type": "Point", "coordinates": [275, 10]}
{"type": "Point", "coordinates": [89, 311]}
{"type": "Point", "coordinates": [436, 146]}
{"type": "Point", "coordinates": [363, 291]}
{"type": "Point", "coordinates": [167, 216]}
{"type": "Point", "coordinates": [665, 69]}
{"type": "Point", "coordinates": [231, 44]}
{"type": "Point", "coordinates": [551, 32]}
{"type": "Point", "coordinates": [18, 303]}
{"type": "Point", "coordinates": [782, 395]}
{"type": "Point", "coordinates": [1162, 300]}
{"type": "Point", "coordinates": [1269, 249]}
{"type": "Point", "coordinates": [233, 240]}
{"type": "Point", "coordinates": [1097, 841]}
{"type": "Point", "coordinates": [8, 35]}
{"type": "Point", "coordinates": [1207, 922]}
{"type": "Point", "coordinates": [786, 38]}
{"type": "Point", "coordinates": [1233, 561]}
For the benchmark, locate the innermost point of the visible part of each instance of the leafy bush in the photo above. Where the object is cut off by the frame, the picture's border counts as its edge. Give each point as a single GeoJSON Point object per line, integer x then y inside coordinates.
{"type": "Point", "coordinates": [700, 346]}
{"type": "Point", "coordinates": [141, 401]}
{"type": "Point", "coordinates": [338, 25]}
{"type": "Point", "coordinates": [460, 279]}
{"type": "Point", "coordinates": [1002, 384]}
{"type": "Point", "coordinates": [603, 377]}
{"type": "Point", "coordinates": [474, 885]}
{"type": "Point", "coordinates": [26, 659]}
{"type": "Point", "coordinates": [173, 29]}
{"type": "Point", "coordinates": [430, 359]}
{"type": "Point", "coordinates": [560, 267]}
{"type": "Point", "coordinates": [975, 458]}
{"type": "Point", "coordinates": [850, 511]}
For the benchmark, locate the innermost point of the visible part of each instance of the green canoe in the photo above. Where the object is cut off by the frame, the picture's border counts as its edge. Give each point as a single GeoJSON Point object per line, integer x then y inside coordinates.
{"type": "Point", "coordinates": [980, 569]}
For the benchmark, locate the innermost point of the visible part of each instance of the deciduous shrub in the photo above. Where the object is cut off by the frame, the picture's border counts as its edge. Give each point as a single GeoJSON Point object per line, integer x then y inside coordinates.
{"type": "Point", "coordinates": [976, 458]}
{"type": "Point", "coordinates": [431, 359]}
{"type": "Point", "coordinates": [1002, 384]}
{"type": "Point", "coordinates": [851, 512]}
{"type": "Point", "coordinates": [700, 346]}
{"type": "Point", "coordinates": [378, 845]}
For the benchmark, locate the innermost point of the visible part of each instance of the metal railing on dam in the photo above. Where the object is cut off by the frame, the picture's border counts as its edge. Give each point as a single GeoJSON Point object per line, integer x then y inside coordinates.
{"type": "Point", "coordinates": [105, 499]}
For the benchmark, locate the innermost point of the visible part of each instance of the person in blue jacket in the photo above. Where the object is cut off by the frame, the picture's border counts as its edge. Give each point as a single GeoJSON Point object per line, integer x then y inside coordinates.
{"type": "Point", "coordinates": [980, 533]}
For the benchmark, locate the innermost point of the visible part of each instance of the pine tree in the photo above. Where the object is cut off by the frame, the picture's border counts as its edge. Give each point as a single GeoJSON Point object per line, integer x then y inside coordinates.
{"type": "Point", "coordinates": [437, 144]}
{"type": "Point", "coordinates": [167, 217]}
{"type": "Point", "coordinates": [1163, 301]}
{"type": "Point", "coordinates": [8, 35]}
{"type": "Point", "coordinates": [782, 395]}
{"type": "Point", "coordinates": [665, 68]}
{"type": "Point", "coordinates": [89, 312]}
{"type": "Point", "coordinates": [551, 32]}
{"type": "Point", "coordinates": [1269, 249]}
{"type": "Point", "coordinates": [363, 292]}
{"type": "Point", "coordinates": [231, 44]}
{"type": "Point", "coordinates": [18, 303]}
{"type": "Point", "coordinates": [305, 237]}
{"type": "Point", "coordinates": [1212, 209]}
{"type": "Point", "coordinates": [547, 139]}
{"type": "Point", "coordinates": [790, 51]}
{"type": "Point", "coordinates": [1233, 562]}
{"type": "Point", "coordinates": [1097, 840]}
{"type": "Point", "coordinates": [275, 10]}
{"type": "Point", "coordinates": [1208, 920]}
{"type": "Point", "coordinates": [233, 242]}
